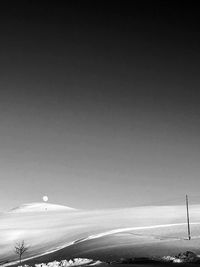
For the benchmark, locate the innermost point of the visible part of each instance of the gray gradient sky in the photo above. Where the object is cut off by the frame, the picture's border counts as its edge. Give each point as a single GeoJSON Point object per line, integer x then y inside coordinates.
{"type": "Point", "coordinates": [99, 106]}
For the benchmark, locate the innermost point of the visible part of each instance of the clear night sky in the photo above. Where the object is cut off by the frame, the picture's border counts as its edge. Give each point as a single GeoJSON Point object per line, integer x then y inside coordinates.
{"type": "Point", "coordinates": [99, 104]}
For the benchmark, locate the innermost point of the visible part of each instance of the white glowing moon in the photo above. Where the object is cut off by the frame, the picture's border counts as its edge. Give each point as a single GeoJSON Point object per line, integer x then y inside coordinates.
{"type": "Point", "coordinates": [45, 198]}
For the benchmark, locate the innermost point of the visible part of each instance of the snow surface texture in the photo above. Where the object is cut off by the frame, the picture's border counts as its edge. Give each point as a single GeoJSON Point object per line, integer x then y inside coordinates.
{"type": "Point", "coordinates": [67, 263]}
{"type": "Point", "coordinates": [46, 228]}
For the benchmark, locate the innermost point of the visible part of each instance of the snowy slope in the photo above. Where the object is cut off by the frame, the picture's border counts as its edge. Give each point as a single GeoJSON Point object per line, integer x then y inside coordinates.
{"type": "Point", "coordinates": [46, 232]}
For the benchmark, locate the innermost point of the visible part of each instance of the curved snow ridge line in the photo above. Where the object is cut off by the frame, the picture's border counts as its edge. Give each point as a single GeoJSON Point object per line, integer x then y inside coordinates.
{"type": "Point", "coordinates": [115, 231]}
{"type": "Point", "coordinates": [68, 244]}
{"type": "Point", "coordinates": [40, 255]}
{"type": "Point", "coordinates": [120, 230]}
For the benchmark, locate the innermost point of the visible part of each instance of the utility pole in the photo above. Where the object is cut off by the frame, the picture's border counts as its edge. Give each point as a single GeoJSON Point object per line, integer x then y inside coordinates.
{"type": "Point", "coordinates": [188, 218]}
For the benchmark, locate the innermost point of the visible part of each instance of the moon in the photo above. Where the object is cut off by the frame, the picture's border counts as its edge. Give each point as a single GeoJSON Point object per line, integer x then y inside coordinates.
{"type": "Point", "coordinates": [45, 198]}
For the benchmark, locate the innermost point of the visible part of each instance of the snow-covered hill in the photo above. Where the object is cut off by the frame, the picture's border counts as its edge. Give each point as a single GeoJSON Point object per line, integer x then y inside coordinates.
{"type": "Point", "coordinates": [40, 206]}
{"type": "Point", "coordinates": [84, 233]}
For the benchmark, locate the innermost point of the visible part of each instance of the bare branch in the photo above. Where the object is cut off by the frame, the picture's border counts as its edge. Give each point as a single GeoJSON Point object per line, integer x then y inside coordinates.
{"type": "Point", "coordinates": [20, 249]}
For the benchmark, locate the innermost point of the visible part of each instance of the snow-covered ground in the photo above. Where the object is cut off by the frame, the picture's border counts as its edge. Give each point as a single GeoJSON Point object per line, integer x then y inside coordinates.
{"type": "Point", "coordinates": [46, 228]}
{"type": "Point", "coordinates": [66, 263]}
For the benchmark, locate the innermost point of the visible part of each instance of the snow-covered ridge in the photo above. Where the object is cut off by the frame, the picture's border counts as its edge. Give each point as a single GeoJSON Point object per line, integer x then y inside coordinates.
{"type": "Point", "coordinates": [39, 207]}
{"type": "Point", "coordinates": [48, 232]}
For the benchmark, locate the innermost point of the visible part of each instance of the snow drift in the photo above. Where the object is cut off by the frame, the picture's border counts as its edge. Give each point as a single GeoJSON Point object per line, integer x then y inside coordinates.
{"type": "Point", "coordinates": [62, 227]}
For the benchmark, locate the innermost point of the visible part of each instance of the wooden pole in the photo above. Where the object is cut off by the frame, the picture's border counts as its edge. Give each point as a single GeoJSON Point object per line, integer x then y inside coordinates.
{"type": "Point", "coordinates": [188, 218]}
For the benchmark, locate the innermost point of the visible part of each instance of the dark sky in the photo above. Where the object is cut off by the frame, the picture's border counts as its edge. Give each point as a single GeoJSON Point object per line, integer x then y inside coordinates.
{"type": "Point", "coordinates": [99, 103]}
